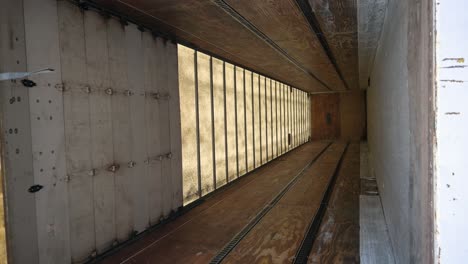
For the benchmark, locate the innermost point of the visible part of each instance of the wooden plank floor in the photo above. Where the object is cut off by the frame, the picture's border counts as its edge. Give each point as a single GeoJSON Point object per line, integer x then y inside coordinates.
{"type": "Point", "coordinates": [338, 237]}
{"type": "Point", "coordinates": [278, 236]}
{"type": "Point", "coordinates": [198, 235]}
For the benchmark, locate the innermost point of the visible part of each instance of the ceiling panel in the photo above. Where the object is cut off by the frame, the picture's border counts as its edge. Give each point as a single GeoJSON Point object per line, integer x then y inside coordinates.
{"type": "Point", "coordinates": [291, 53]}
{"type": "Point", "coordinates": [284, 23]}
{"type": "Point", "coordinates": [338, 22]}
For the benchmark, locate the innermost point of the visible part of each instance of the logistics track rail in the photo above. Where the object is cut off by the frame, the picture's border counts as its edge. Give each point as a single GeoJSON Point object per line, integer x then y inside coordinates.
{"type": "Point", "coordinates": [237, 238]}
{"type": "Point", "coordinates": [303, 252]}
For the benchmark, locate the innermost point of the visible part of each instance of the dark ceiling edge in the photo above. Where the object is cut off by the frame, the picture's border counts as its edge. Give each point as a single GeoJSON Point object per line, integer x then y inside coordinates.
{"type": "Point", "coordinates": [314, 24]}
{"type": "Point", "coordinates": [124, 19]}
{"type": "Point", "coordinates": [106, 12]}
{"type": "Point", "coordinates": [244, 22]}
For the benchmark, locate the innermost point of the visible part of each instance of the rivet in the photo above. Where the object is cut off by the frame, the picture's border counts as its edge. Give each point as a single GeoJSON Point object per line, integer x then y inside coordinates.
{"type": "Point", "coordinates": [60, 87]}
{"type": "Point", "coordinates": [131, 164]}
{"type": "Point", "coordinates": [109, 91]}
{"type": "Point", "coordinates": [92, 172]}
{"type": "Point", "coordinates": [87, 89]}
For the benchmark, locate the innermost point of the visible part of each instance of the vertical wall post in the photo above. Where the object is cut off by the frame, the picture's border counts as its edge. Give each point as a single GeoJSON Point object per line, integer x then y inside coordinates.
{"type": "Point", "coordinates": [225, 125]}
{"type": "Point", "coordinates": [260, 119]}
{"type": "Point", "coordinates": [245, 127]}
{"type": "Point", "coordinates": [197, 120]}
{"type": "Point", "coordinates": [236, 120]}
{"type": "Point", "coordinates": [253, 119]}
{"type": "Point", "coordinates": [213, 142]}
{"type": "Point", "coordinates": [266, 120]}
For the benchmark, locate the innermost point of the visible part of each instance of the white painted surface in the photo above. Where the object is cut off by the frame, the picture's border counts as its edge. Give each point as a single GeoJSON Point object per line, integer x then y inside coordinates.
{"type": "Point", "coordinates": [371, 15]}
{"type": "Point", "coordinates": [374, 243]}
{"type": "Point", "coordinates": [138, 169]}
{"type": "Point", "coordinates": [97, 67]}
{"type": "Point", "coordinates": [389, 127]}
{"type": "Point", "coordinates": [77, 131]}
{"type": "Point", "coordinates": [452, 131]}
{"type": "Point", "coordinates": [47, 131]}
{"type": "Point", "coordinates": [67, 140]}
{"type": "Point", "coordinates": [16, 138]}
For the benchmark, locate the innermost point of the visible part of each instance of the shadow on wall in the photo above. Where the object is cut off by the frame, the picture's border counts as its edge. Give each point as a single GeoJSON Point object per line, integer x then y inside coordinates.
{"type": "Point", "coordinates": [339, 116]}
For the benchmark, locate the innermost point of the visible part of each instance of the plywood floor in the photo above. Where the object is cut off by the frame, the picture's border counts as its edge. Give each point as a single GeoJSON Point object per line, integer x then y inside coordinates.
{"type": "Point", "coordinates": [200, 234]}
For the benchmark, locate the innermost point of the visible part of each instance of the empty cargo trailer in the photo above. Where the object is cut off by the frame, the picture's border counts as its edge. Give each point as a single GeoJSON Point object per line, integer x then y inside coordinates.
{"type": "Point", "coordinates": [233, 131]}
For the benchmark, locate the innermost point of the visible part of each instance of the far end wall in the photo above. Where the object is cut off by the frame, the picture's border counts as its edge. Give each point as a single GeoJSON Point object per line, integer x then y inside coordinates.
{"type": "Point", "coordinates": [338, 116]}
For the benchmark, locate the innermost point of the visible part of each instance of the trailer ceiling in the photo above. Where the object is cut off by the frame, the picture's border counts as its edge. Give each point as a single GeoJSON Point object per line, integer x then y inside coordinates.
{"type": "Point", "coordinates": [310, 44]}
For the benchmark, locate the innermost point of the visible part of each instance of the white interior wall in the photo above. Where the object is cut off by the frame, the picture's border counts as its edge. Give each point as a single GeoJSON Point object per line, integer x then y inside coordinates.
{"type": "Point", "coordinates": [389, 127]}
{"type": "Point", "coordinates": [401, 128]}
{"type": "Point", "coordinates": [92, 133]}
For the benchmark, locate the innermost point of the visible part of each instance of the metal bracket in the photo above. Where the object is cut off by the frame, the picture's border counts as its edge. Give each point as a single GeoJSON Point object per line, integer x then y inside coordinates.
{"type": "Point", "coordinates": [28, 83]}
{"type": "Point", "coordinates": [35, 188]}
{"type": "Point", "coordinates": [169, 155]}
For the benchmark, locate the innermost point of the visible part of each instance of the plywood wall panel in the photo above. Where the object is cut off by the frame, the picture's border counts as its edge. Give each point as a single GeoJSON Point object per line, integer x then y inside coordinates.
{"type": "Point", "coordinates": [231, 122]}
{"type": "Point", "coordinates": [204, 100]}
{"type": "Point", "coordinates": [257, 116]}
{"type": "Point", "coordinates": [240, 86]}
{"type": "Point", "coordinates": [188, 121]}
{"type": "Point", "coordinates": [249, 113]}
{"type": "Point", "coordinates": [218, 97]}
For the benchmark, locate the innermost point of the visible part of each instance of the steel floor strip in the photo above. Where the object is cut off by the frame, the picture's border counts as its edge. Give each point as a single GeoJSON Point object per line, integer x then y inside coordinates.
{"type": "Point", "coordinates": [303, 252]}
{"type": "Point", "coordinates": [237, 238]}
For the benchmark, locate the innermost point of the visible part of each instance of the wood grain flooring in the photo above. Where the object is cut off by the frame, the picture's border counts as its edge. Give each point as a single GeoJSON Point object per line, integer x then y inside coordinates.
{"type": "Point", "coordinates": [198, 235]}
{"type": "Point", "coordinates": [278, 236]}
{"type": "Point", "coordinates": [338, 237]}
